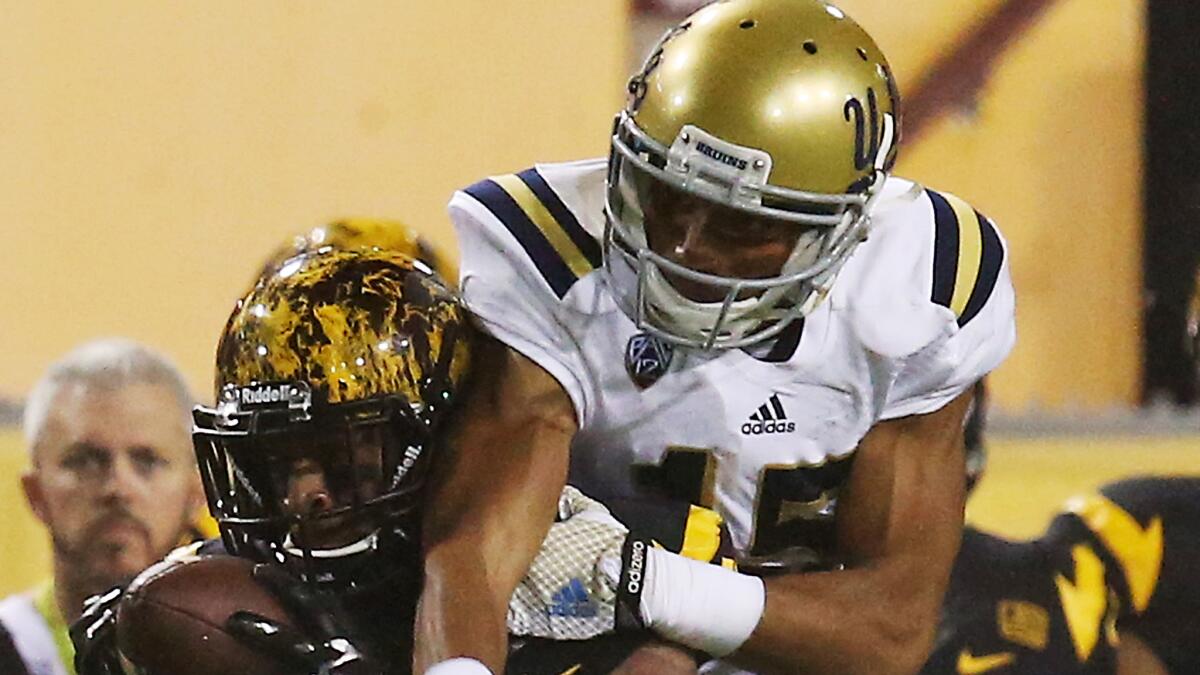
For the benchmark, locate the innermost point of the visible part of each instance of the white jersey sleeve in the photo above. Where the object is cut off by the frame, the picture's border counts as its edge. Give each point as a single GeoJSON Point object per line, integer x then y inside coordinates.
{"type": "Point", "coordinates": [967, 278]}
{"type": "Point", "coordinates": [522, 250]}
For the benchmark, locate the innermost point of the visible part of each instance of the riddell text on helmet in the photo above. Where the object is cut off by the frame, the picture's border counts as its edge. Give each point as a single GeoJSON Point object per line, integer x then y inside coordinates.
{"type": "Point", "coordinates": [264, 394]}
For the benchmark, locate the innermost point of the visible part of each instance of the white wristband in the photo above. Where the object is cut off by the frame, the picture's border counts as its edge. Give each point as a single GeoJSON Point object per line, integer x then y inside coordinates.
{"type": "Point", "coordinates": [459, 666]}
{"type": "Point", "coordinates": [698, 605]}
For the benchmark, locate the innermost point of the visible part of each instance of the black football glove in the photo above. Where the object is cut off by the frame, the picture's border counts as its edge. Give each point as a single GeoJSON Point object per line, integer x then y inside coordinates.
{"type": "Point", "coordinates": [322, 647]}
{"type": "Point", "coordinates": [94, 635]}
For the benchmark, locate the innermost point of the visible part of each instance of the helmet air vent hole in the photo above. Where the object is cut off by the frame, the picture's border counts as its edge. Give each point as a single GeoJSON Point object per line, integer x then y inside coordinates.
{"type": "Point", "coordinates": [810, 46]}
{"type": "Point", "coordinates": [747, 24]}
{"type": "Point", "coordinates": [862, 53]}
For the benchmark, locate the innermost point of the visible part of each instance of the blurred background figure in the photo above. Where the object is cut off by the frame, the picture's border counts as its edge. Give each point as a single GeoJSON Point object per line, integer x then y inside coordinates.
{"type": "Point", "coordinates": [112, 478]}
{"type": "Point", "coordinates": [1171, 195]}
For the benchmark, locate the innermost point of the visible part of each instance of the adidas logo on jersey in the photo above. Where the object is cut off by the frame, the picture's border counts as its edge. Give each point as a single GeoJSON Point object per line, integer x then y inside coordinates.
{"type": "Point", "coordinates": [769, 419]}
{"type": "Point", "coordinates": [573, 601]}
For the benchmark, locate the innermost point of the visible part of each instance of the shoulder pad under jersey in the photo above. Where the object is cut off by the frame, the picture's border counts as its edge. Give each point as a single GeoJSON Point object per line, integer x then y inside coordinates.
{"type": "Point", "coordinates": [537, 209]}
{"type": "Point", "coordinates": [928, 268]}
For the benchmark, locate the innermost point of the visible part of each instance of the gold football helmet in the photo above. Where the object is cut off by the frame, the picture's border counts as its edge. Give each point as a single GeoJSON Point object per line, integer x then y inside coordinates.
{"type": "Point", "coordinates": [779, 109]}
{"type": "Point", "coordinates": [342, 363]}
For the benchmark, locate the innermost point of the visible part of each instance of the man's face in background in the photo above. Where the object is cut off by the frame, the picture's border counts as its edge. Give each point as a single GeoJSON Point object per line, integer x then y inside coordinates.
{"type": "Point", "coordinates": [113, 479]}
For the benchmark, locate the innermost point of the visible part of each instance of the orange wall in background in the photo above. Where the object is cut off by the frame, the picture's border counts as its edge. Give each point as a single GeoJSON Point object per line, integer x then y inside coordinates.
{"type": "Point", "coordinates": [155, 152]}
{"type": "Point", "coordinates": [1052, 152]}
{"type": "Point", "coordinates": [24, 543]}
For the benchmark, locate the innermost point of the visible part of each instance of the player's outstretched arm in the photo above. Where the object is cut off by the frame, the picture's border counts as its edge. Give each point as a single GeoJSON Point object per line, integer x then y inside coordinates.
{"type": "Point", "coordinates": [492, 496]}
{"type": "Point", "coordinates": [900, 524]}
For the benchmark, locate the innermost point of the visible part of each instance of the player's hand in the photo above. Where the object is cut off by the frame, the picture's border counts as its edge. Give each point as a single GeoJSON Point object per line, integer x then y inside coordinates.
{"type": "Point", "coordinates": [94, 635]}
{"type": "Point", "coordinates": [571, 589]}
{"type": "Point", "coordinates": [324, 646]}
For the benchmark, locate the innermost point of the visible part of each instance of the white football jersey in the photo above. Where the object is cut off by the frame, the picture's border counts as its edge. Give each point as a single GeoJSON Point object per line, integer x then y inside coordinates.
{"type": "Point", "coordinates": [922, 310]}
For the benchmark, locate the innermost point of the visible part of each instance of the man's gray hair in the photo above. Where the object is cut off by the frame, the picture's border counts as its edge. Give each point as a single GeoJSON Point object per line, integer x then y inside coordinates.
{"type": "Point", "coordinates": [104, 364]}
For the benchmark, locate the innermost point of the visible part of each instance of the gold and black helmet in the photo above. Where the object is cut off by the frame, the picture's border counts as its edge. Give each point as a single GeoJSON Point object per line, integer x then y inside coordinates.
{"type": "Point", "coordinates": [352, 234]}
{"type": "Point", "coordinates": [783, 110]}
{"type": "Point", "coordinates": [340, 366]}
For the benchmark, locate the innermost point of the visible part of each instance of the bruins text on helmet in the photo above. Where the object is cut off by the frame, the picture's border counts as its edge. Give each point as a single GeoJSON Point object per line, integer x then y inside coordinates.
{"type": "Point", "coordinates": [333, 376]}
{"type": "Point", "coordinates": [782, 112]}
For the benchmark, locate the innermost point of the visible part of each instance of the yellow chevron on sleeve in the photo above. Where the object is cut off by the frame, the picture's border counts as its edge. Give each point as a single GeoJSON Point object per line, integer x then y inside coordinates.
{"type": "Point", "coordinates": [540, 216]}
{"type": "Point", "coordinates": [1084, 602]}
{"type": "Point", "coordinates": [1139, 550]}
{"type": "Point", "coordinates": [702, 534]}
{"type": "Point", "coordinates": [970, 251]}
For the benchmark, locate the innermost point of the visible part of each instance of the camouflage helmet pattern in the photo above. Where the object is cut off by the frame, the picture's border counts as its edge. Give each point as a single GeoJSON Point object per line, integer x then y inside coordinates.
{"type": "Point", "coordinates": [363, 233]}
{"type": "Point", "coordinates": [353, 325]}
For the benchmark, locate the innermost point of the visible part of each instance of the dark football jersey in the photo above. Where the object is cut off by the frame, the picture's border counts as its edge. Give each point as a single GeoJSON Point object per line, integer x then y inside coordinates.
{"type": "Point", "coordinates": [1023, 607]}
{"type": "Point", "coordinates": [1146, 530]}
{"type": "Point", "coordinates": [1122, 560]}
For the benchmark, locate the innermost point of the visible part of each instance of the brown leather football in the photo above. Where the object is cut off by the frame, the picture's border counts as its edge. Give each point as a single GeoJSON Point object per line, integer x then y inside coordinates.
{"type": "Point", "coordinates": [171, 620]}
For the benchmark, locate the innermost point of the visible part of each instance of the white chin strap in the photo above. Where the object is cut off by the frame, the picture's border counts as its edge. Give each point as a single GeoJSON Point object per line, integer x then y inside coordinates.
{"type": "Point", "coordinates": [365, 544]}
{"type": "Point", "coordinates": [696, 318]}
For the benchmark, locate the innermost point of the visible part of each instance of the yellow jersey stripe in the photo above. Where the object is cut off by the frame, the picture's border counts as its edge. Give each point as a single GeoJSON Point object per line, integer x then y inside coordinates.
{"type": "Point", "coordinates": [540, 216]}
{"type": "Point", "coordinates": [970, 250]}
{"type": "Point", "coordinates": [968, 255]}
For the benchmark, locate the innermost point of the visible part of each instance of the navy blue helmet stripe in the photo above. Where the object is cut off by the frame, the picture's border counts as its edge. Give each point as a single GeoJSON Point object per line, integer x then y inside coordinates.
{"type": "Point", "coordinates": [551, 265]}
{"type": "Point", "coordinates": [567, 220]}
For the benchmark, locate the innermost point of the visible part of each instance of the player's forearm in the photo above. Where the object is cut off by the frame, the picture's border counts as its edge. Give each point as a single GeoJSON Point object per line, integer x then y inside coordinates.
{"type": "Point", "coordinates": [478, 545]}
{"type": "Point", "coordinates": [493, 493]}
{"type": "Point", "coordinates": [878, 620]}
{"type": "Point", "coordinates": [458, 614]}
{"type": "Point", "coordinates": [900, 522]}
{"type": "Point", "coordinates": [472, 567]}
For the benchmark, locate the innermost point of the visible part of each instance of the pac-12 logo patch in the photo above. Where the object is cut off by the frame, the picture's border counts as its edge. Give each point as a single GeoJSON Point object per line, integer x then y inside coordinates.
{"type": "Point", "coordinates": [647, 358]}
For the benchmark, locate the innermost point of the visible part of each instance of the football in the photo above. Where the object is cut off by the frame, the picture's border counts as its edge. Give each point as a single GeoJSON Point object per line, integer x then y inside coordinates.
{"type": "Point", "coordinates": [171, 620]}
